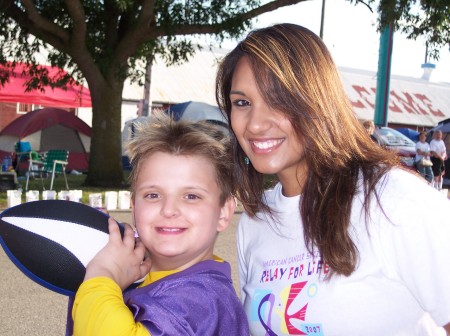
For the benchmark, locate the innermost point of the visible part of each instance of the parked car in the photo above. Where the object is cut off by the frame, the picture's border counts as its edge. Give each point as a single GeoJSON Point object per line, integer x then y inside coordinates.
{"type": "Point", "coordinates": [394, 140]}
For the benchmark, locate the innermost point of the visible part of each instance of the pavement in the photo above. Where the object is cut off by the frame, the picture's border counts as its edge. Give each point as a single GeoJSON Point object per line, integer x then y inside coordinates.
{"type": "Point", "coordinates": [27, 308]}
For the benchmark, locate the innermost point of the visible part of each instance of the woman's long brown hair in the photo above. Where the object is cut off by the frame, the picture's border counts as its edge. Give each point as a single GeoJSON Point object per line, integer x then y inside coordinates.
{"type": "Point", "coordinates": [297, 76]}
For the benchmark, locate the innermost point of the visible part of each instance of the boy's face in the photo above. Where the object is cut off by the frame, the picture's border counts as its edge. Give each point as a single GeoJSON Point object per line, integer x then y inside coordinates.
{"type": "Point", "coordinates": [177, 210]}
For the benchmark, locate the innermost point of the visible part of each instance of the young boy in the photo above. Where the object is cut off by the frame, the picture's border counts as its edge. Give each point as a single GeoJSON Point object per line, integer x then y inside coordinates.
{"type": "Point", "coordinates": [182, 190]}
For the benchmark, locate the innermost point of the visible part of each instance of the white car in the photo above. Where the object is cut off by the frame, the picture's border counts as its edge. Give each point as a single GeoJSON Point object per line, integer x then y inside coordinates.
{"type": "Point", "coordinates": [394, 140]}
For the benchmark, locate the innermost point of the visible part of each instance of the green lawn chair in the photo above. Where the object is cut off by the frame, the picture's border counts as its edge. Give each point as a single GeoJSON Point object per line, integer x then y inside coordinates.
{"type": "Point", "coordinates": [54, 162]}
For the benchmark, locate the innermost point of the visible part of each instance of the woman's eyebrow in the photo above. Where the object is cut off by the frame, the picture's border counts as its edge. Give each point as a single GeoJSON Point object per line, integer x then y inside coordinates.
{"type": "Point", "coordinates": [237, 92]}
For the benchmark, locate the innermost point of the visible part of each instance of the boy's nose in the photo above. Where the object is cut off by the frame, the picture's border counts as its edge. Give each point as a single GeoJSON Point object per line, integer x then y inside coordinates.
{"type": "Point", "coordinates": [170, 208]}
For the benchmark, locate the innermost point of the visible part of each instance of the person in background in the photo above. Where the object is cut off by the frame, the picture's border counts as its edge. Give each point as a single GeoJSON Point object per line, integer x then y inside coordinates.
{"type": "Point", "coordinates": [423, 152]}
{"type": "Point", "coordinates": [182, 196]}
{"type": "Point", "coordinates": [438, 157]}
{"type": "Point", "coordinates": [348, 242]}
{"type": "Point", "coordinates": [369, 125]}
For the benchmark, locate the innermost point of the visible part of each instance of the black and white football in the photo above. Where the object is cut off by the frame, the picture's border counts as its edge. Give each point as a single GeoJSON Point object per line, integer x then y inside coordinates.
{"type": "Point", "coordinates": [52, 241]}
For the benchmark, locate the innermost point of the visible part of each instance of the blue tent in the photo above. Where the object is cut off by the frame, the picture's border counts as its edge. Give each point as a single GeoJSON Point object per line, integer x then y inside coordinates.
{"type": "Point", "coordinates": [196, 111]}
{"type": "Point", "coordinates": [410, 133]}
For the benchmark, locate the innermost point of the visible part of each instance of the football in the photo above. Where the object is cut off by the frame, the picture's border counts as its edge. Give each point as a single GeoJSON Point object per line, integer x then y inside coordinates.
{"type": "Point", "coordinates": [52, 241]}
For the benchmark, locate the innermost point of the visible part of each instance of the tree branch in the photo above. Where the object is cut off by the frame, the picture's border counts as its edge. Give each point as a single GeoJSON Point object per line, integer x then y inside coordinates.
{"type": "Point", "coordinates": [135, 37]}
{"type": "Point", "coordinates": [76, 12]}
{"type": "Point", "coordinates": [42, 27]}
{"type": "Point", "coordinates": [218, 27]}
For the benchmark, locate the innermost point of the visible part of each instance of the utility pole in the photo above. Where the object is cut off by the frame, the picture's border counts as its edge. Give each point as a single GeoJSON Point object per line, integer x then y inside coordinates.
{"type": "Point", "coordinates": [384, 76]}
{"type": "Point", "coordinates": [147, 86]}
{"type": "Point", "coordinates": [322, 19]}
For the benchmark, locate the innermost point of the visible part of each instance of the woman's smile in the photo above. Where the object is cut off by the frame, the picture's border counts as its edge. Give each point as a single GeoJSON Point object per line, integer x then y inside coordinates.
{"type": "Point", "coordinates": [262, 146]}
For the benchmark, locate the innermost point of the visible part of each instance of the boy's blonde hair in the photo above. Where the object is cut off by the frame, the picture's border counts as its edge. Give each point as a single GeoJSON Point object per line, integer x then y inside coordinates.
{"type": "Point", "coordinates": [162, 134]}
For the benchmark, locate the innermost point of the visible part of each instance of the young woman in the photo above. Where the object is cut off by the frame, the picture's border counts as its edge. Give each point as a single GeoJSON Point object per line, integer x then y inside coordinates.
{"type": "Point", "coordinates": [347, 243]}
{"type": "Point", "coordinates": [423, 152]}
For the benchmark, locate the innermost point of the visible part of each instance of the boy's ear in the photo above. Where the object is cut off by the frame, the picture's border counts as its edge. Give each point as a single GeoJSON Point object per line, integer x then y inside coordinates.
{"type": "Point", "coordinates": [132, 211]}
{"type": "Point", "coordinates": [226, 213]}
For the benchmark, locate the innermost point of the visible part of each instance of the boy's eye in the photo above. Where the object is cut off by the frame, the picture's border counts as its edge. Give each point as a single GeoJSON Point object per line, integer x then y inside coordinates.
{"type": "Point", "coordinates": [152, 195]}
{"type": "Point", "coordinates": [192, 196]}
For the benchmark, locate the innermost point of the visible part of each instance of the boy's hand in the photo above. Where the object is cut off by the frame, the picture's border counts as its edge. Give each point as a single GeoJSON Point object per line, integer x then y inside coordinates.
{"type": "Point", "coordinates": [122, 260]}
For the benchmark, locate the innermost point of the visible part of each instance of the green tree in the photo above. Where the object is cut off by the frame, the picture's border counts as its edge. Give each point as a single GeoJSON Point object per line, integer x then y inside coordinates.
{"type": "Point", "coordinates": [427, 18]}
{"type": "Point", "coordinates": [104, 41]}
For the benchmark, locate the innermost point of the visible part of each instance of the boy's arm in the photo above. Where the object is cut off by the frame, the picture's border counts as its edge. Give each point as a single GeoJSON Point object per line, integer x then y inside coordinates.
{"type": "Point", "coordinates": [99, 310]}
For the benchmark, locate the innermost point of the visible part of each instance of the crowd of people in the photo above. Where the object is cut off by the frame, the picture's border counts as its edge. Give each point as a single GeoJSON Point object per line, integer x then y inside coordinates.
{"type": "Point", "coordinates": [430, 157]}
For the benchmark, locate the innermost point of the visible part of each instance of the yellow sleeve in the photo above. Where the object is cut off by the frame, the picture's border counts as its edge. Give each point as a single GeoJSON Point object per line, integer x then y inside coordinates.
{"type": "Point", "coordinates": [99, 310]}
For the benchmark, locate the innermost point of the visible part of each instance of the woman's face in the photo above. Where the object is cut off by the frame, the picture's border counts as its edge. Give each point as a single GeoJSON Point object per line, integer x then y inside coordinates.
{"type": "Point", "coordinates": [264, 133]}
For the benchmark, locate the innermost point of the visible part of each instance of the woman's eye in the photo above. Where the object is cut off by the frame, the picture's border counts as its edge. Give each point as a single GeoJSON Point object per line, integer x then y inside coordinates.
{"type": "Point", "coordinates": [240, 102]}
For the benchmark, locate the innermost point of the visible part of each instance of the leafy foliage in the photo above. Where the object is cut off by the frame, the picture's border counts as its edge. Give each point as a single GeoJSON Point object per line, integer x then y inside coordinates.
{"type": "Point", "coordinates": [108, 41]}
{"type": "Point", "coordinates": [427, 18]}
{"type": "Point", "coordinates": [104, 28]}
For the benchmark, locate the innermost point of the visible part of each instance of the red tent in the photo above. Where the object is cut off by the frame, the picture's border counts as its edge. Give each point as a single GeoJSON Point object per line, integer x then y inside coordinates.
{"type": "Point", "coordinates": [13, 91]}
{"type": "Point", "coordinates": [50, 128]}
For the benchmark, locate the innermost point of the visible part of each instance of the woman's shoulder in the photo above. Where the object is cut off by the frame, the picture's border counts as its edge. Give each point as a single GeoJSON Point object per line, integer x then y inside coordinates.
{"type": "Point", "coordinates": [401, 184]}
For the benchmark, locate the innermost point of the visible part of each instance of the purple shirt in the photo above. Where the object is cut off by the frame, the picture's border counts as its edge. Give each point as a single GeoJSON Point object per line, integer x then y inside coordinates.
{"type": "Point", "coordinates": [200, 300]}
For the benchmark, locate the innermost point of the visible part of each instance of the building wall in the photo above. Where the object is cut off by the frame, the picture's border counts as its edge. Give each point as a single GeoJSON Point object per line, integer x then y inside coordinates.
{"type": "Point", "coordinates": [8, 112]}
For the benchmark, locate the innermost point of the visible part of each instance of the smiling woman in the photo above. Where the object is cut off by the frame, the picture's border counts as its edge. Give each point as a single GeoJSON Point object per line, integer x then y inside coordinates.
{"type": "Point", "coordinates": [345, 222]}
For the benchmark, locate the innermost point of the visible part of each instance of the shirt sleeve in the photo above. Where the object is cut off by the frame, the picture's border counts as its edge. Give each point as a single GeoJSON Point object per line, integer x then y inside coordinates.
{"type": "Point", "coordinates": [416, 242]}
{"type": "Point", "coordinates": [99, 310]}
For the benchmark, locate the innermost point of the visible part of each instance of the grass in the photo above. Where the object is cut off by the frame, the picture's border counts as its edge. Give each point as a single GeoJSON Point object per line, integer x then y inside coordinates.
{"type": "Point", "coordinates": [75, 183]}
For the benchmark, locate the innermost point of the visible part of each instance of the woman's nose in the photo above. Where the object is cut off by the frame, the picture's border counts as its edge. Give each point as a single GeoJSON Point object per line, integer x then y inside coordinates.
{"type": "Point", "coordinates": [258, 120]}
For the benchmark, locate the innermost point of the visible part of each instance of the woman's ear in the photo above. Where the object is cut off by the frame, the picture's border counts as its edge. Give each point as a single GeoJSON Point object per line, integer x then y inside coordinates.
{"type": "Point", "coordinates": [226, 213]}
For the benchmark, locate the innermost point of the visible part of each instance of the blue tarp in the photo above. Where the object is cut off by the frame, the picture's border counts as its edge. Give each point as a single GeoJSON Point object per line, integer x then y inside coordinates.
{"type": "Point", "coordinates": [410, 133]}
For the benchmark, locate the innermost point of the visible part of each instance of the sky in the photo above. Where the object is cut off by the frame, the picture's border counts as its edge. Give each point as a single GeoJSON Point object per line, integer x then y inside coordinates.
{"type": "Point", "coordinates": [350, 35]}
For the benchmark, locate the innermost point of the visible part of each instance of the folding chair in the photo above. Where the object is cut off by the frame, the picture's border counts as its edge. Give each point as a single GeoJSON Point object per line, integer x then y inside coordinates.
{"type": "Point", "coordinates": [24, 156]}
{"type": "Point", "coordinates": [54, 162]}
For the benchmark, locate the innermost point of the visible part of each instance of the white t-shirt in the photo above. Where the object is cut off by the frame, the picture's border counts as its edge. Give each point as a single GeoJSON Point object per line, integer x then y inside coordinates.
{"type": "Point", "coordinates": [402, 282]}
{"type": "Point", "coordinates": [424, 147]}
{"type": "Point", "coordinates": [438, 146]}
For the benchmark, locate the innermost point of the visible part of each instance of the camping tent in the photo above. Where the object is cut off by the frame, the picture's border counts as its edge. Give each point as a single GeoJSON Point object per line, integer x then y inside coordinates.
{"type": "Point", "coordinates": [190, 110]}
{"type": "Point", "coordinates": [195, 111]}
{"type": "Point", "coordinates": [198, 111]}
{"type": "Point", "coordinates": [50, 128]}
{"type": "Point", "coordinates": [13, 91]}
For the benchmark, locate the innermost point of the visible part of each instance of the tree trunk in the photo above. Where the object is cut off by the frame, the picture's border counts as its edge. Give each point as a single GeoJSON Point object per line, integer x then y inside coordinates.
{"type": "Point", "coordinates": [105, 161]}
